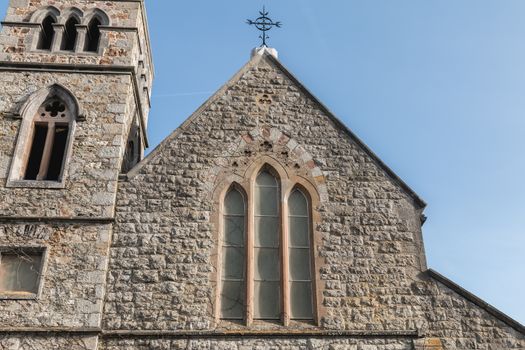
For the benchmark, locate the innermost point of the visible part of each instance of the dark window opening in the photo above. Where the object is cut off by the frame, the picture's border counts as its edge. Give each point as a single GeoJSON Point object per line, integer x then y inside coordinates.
{"type": "Point", "coordinates": [47, 33]}
{"type": "Point", "coordinates": [93, 35]}
{"type": "Point", "coordinates": [70, 35]}
{"type": "Point", "coordinates": [37, 150]}
{"type": "Point", "coordinates": [57, 154]}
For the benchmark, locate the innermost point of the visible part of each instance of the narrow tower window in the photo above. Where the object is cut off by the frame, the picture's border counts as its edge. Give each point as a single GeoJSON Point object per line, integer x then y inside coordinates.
{"type": "Point", "coordinates": [93, 35]}
{"type": "Point", "coordinates": [47, 32]}
{"type": "Point", "coordinates": [267, 275]}
{"type": "Point", "coordinates": [49, 142]}
{"type": "Point", "coordinates": [300, 276]}
{"type": "Point", "coordinates": [233, 256]}
{"type": "Point", "coordinates": [70, 34]}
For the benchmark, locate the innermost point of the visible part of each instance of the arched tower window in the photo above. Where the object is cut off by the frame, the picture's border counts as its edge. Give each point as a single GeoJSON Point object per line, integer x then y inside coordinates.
{"type": "Point", "coordinates": [93, 35]}
{"type": "Point", "coordinates": [47, 33]}
{"type": "Point", "coordinates": [233, 296]}
{"type": "Point", "coordinates": [299, 254]}
{"type": "Point", "coordinates": [267, 275]}
{"type": "Point", "coordinates": [69, 39]}
{"type": "Point", "coordinates": [49, 139]}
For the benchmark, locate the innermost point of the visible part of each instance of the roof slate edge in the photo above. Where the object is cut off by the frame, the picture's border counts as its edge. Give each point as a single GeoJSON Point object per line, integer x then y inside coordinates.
{"type": "Point", "coordinates": [509, 321]}
{"type": "Point", "coordinates": [253, 62]}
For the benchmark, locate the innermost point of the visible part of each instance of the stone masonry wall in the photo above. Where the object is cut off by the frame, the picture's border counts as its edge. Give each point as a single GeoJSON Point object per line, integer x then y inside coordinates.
{"type": "Point", "coordinates": [371, 267]}
{"type": "Point", "coordinates": [73, 275]}
{"type": "Point", "coordinates": [98, 144]}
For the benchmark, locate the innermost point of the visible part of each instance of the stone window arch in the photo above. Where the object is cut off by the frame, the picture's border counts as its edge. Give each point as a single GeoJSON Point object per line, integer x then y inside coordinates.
{"type": "Point", "coordinates": [69, 37]}
{"type": "Point", "coordinates": [278, 265]}
{"type": "Point", "coordinates": [45, 139]}
{"type": "Point", "coordinates": [95, 19]}
{"type": "Point", "coordinates": [47, 18]}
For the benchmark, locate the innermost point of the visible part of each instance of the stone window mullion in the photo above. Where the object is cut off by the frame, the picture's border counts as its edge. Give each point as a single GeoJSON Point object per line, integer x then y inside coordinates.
{"type": "Point", "coordinates": [285, 265]}
{"type": "Point", "coordinates": [46, 156]}
{"type": "Point", "coordinates": [249, 255]}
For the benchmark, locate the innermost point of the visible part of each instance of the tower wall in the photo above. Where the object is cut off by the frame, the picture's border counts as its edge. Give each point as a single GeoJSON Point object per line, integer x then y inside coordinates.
{"type": "Point", "coordinates": [69, 221]}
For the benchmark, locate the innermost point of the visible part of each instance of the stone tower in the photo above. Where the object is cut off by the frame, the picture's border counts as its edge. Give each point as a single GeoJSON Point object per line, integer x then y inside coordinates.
{"type": "Point", "coordinates": [75, 96]}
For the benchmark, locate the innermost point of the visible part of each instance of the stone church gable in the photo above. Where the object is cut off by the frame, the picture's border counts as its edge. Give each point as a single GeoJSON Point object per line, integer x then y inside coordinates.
{"type": "Point", "coordinates": [291, 99]}
{"type": "Point", "coordinates": [371, 269]}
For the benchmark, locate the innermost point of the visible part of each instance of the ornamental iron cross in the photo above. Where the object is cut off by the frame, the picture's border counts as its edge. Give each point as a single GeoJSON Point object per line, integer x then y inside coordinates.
{"type": "Point", "coordinates": [264, 24]}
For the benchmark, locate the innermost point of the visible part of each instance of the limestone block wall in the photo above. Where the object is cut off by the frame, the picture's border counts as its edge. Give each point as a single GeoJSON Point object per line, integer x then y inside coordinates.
{"type": "Point", "coordinates": [107, 102]}
{"type": "Point", "coordinates": [370, 266]}
{"type": "Point", "coordinates": [72, 280]}
{"type": "Point", "coordinates": [161, 274]}
{"type": "Point", "coordinates": [124, 42]}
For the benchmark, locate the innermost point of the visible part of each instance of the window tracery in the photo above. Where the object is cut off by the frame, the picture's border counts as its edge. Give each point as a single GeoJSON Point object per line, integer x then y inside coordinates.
{"type": "Point", "coordinates": [275, 259]}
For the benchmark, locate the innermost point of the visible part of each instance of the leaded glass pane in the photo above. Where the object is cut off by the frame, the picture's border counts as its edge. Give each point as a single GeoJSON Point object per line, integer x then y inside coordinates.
{"type": "Point", "coordinates": [267, 231]}
{"type": "Point", "coordinates": [234, 203]}
{"type": "Point", "coordinates": [233, 263]}
{"type": "Point", "coordinates": [297, 204]}
{"type": "Point", "coordinates": [19, 272]}
{"type": "Point", "coordinates": [301, 300]}
{"type": "Point", "coordinates": [267, 300]}
{"type": "Point", "coordinates": [266, 179]}
{"type": "Point", "coordinates": [232, 300]}
{"type": "Point", "coordinates": [300, 264]}
{"type": "Point", "coordinates": [233, 257]}
{"type": "Point", "coordinates": [299, 231]}
{"type": "Point", "coordinates": [234, 230]}
{"type": "Point", "coordinates": [267, 264]}
{"type": "Point", "coordinates": [266, 201]}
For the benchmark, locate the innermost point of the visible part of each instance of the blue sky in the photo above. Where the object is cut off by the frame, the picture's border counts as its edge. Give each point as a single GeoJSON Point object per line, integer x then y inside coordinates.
{"type": "Point", "coordinates": [436, 88]}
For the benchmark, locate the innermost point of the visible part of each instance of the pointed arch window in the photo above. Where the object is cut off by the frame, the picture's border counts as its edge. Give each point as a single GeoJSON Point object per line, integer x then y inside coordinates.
{"type": "Point", "coordinates": [93, 35]}
{"type": "Point", "coordinates": [45, 139]}
{"type": "Point", "coordinates": [233, 296]}
{"type": "Point", "coordinates": [299, 246]}
{"type": "Point", "coordinates": [276, 264]}
{"type": "Point", "coordinates": [49, 141]}
{"type": "Point", "coordinates": [69, 39]}
{"type": "Point", "coordinates": [47, 33]}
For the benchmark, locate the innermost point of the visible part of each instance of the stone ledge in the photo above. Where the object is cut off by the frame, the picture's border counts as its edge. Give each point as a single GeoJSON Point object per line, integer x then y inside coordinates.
{"type": "Point", "coordinates": [298, 333]}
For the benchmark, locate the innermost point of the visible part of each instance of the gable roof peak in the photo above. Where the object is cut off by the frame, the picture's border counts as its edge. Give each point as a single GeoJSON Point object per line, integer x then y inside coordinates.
{"type": "Point", "coordinates": [264, 50]}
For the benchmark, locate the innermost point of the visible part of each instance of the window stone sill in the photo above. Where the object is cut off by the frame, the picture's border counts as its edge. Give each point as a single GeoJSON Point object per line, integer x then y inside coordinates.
{"type": "Point", "coordinates": [18, 296]}
{"type": "Point", "coordinates": [35, 184]}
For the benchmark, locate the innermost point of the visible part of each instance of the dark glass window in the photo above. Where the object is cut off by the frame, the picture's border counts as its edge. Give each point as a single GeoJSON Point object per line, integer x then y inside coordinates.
{"type": "Point", "coordinates": [93, 35]}
{"type": "Point", "coordinates": [46, 34]}
{"type": "Point", "coordinates": [70, 35]}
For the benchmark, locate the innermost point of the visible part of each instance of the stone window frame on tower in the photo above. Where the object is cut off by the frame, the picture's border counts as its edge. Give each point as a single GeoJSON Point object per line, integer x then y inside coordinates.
{"type": "Point", "coordinates": [288, 183]}
{"type": "Point", "coordinates": [23, 256]}
{"type": "Point", "coordinates": [81, 30]}
{"type": "Point", "coordinates": [52, 109]}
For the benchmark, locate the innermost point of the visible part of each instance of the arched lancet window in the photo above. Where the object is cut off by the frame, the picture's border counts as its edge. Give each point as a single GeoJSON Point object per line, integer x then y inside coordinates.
{"type": "Point", "coordinates": [47, 33]}
{"type": "Point", "coordinates": [299, 254]}
{"type": "Point", "coordinates": [49, 139]}
{"type": "Point", "coordinates": [93, 35]}
{"type": "Point", "coordinates": [233, 296]}
{"type": "Point", "coordinates": [69, 39]}
{"type": "Point", "coordinates": [267, 274]}
{"type": "Point", "coordinates": [270, 275]}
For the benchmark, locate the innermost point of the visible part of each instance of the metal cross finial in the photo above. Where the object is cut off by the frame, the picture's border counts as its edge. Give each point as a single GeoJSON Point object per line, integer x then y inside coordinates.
{"type": "Point", "coordinates": [264, 24]}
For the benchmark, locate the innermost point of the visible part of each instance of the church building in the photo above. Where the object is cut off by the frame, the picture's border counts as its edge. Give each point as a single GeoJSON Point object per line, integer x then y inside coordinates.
{"type": "Point", "coordinates": [262, 222]}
